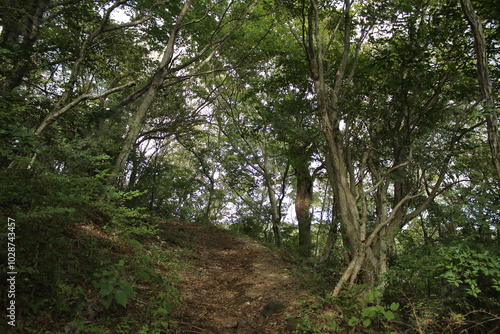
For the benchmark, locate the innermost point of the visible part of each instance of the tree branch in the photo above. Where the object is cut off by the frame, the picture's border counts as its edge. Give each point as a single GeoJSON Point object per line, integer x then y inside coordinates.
{"type": "Point", "coordinates": [52, 116]}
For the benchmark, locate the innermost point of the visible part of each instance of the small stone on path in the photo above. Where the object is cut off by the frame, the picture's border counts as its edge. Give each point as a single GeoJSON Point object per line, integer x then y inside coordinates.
{"type": "Point", "coordinates": [229, 322]}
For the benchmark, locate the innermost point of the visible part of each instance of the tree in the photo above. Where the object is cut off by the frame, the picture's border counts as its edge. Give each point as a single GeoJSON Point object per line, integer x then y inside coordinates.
{"type": "Point", "coordinates": [368, 158]}
{"type": "Point", "coordinates": [253, 165]}
{"type": "Point", "coordinates": [21, 23]}
{"type": "Point", "coordinates": [150, 92]}
{"type": "Point", "coordinates": [59, 71]}
{"type": "Point", "coordinates": [191, 64]}
{"type": "Point", "coordinates": [485, 85]}
{"type": "Point", "coordinates": [229, 112]}
{"type": "Point", "coordinates": [290, 111]}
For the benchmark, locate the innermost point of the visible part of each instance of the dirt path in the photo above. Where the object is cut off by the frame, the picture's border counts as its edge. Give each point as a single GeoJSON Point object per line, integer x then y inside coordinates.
{"type": "Point", "coordinates": [231, 282]}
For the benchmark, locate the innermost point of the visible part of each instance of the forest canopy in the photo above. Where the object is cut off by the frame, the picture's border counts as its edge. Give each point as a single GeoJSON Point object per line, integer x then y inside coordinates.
{"type": "Point", "coordinates": [361, 138]}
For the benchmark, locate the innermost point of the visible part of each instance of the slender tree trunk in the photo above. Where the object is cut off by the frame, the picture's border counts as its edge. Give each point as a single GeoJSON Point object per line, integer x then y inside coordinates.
{"type": "Point", "coordinates": [484, 80]}
{"type": "Point", "coordinates": [135, 128]}
{"type": "Point", "coordinates": [156, 83]}
{"type": "Point", "coordinates": [303, 202]}
{"type": "Point", "coordinates": [330, 242]}
{"type": "Point", "coordinates": [208, 212]}
{"type": "Point", "coordinates": [327, 100]}
{"type": "Point", "coordinates": [275, 218]}
{"type": "Point", "coordinates": [271, 192]}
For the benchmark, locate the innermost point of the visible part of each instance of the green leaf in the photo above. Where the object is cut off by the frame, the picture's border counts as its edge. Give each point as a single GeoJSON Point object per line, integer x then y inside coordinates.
{"type": "Point", "coordinates": [106, 301]}
{"type": "Point", "coordinates": [389, 315]}
{"type": "Point", "coordinates": [394, 306]}
{"type": "Point", "coordinates": [121, 297]}
{"type": "Point", "coordinates": [367, 322]}
{"type": "Point", "coordinates": [353, 321]}
{"type": "Point", "coordinates": [143, 274]}
{"type": "Point", "coordinates": [106, 289]}
{"type": "Point", "coordinates": [163, 311]}
{"type": "Point", "coordinates": [368, 312]}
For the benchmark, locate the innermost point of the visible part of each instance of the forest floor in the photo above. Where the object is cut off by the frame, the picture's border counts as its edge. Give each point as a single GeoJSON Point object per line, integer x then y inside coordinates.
{"type": "Point", "coordinates": [231, 281]}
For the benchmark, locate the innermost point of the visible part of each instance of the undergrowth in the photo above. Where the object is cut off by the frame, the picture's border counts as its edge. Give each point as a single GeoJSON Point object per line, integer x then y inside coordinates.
{"type": "Point", "coordinates": [85, 263]}
{"type": "Point", "coordinates": [361, 310]}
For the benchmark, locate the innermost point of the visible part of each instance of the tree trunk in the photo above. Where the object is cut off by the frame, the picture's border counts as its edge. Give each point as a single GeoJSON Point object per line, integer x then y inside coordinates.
{"type": "Point", "coordinates": [303, 202]}
{"type": "Point", "coordinates": [271, 192]}
{"type": "Point", "coordinates": [135, 127]}
{"type": "Point", "coordinates": [330, 242]}
{"type": "Point", "coordinates": [367, 250]}
{"type": "Point", "coordinates": [156, 83]}
{"type": "Point", "coordinates": [484, 80]}
{"type": "Point", "coordinates": [327, 101]}
{"type": "Point", "coordinates": [210, 208]}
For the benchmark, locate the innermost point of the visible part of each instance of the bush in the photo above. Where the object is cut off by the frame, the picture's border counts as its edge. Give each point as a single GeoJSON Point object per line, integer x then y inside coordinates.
{"type": "Point", "coordinates": [78, 255]}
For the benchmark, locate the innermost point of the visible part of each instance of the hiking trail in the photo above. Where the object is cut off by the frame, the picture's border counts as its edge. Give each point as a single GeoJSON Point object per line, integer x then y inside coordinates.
{"type": "Point", "coordinates": [231, 281]}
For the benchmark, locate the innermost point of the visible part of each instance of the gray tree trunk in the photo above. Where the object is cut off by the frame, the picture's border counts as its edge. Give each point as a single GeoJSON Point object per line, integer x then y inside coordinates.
{"type": "Point", "coordinates": [156, 83]}
{"type": "Point", "coordinates": [484, 80]}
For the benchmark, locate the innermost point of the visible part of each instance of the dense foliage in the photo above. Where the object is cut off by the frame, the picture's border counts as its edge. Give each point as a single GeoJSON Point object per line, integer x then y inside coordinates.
{"type": "Point", "coordinates": [359, 137]}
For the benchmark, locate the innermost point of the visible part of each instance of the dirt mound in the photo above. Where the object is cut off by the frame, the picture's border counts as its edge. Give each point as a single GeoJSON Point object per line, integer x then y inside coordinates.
{"type": "Point", "coordinates": [230, 284]}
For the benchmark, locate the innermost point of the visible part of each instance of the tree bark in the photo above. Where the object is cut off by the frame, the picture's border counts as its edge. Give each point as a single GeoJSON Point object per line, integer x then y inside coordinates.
{"type": "Point", "coordinates": [303, 202]}
{"type": "Point", "coordinates": [273, 201]}
{"type": "Point", "coordinates": [328, 108]}
{"type": "Point", "coordinates": [330, 242]}
{"type": "Point", "coordinates": [158, 81]}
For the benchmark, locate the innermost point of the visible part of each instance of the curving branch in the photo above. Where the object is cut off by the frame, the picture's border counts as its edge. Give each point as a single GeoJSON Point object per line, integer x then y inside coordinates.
{"type": "Point", "coordinates": [53, 115]}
